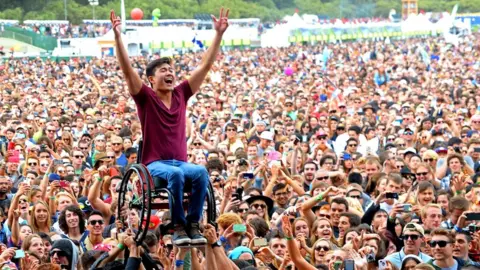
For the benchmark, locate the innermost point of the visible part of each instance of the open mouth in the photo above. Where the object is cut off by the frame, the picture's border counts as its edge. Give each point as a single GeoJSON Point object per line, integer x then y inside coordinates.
{"type": "Point", "coordinates": [169, 80]}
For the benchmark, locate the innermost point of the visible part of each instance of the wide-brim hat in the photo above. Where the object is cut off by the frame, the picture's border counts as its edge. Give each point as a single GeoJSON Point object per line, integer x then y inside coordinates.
{"type": "Point", "coordinates": [267, 200]}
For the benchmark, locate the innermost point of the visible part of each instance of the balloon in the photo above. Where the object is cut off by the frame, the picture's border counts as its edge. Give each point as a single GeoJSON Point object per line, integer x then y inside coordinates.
{"type": "Point", "coordinates": [156, 13]}
{"type": "Point", "coordinates": [288, 71]}
{"type": "Point", "coordinates": [136, 14]}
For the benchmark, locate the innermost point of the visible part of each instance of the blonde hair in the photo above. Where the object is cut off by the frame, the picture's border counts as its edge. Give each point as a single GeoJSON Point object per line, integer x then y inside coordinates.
{"type": "Point", "coordinates": [33, 221]}
{"type": "Point", "coordinates": [430, 205]}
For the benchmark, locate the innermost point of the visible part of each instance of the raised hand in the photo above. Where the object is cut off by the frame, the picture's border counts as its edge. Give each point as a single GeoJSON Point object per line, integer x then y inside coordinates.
{"type": "Point", "coordinates": [221, 24]}
{"type": "Point", "coordinates": [116, 22]}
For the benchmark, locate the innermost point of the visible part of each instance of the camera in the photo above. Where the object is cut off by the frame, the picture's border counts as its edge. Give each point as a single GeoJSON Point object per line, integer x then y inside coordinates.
{"type": "Point", "coordinates": [242, 162]}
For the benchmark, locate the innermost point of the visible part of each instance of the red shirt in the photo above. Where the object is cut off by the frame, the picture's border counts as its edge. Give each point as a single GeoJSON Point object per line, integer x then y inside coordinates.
{"type": "Point", "coordinates": [163, 129]}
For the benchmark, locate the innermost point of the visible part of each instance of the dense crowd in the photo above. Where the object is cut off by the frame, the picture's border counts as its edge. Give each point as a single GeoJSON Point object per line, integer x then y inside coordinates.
{"type": "Point", "coordinates": [359, 155]}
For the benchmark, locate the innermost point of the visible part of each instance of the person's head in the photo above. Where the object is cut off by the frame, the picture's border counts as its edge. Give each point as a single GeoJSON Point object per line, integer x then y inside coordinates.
{"type": "Point", "coordinates": [455, 163]}
{"type": "Point", "coordinates": [462, 242]}
{"type": "Point", "coordinates": [70, 218]}
{"type": "Point", "coordinates": [337, 207]}
{"type": "Point", "coordinates": [47, 242]}
{"type": "Point", "coordinates": [412, 238]}
{"type": "Point", "coordinates": [394, 183]}
{"type": "Point", "coordinates": [372, 166]}
{"type": "Point", "coordinates": [410, 261]}
{"type": "Point", "coordinates": [347, 221]}
{"type": "Point", "coordinates": [432, 216]}
{"type": "Point", "coordinates": [425, 193]}
{"type": "Point", "coordinates": [64, 252]}
{"type": "Point", "coordinates": [95, 223]}
{"type": "Point", "coordinates": [5, 184]}
{"type": "Point", "coordinates": [110, 185]}
{"type": "Point", "coordinates": [161, 74]}
{"type": "Point", "coordinates": [457, 206]}
{"type": "Point", "coordinates": [379, 218]}
{"type": "Point", "coordinates": [300, 226]}
{"type": "Point", "coordinates": [34, 244]}
{"type": "Point", "coordinates": [281, 194]}
{"type": "Point", "coordinates": [320, 249]}
{"type": "Point", "coordinates": [225, 220]}
{"type": "Point", "coordinates": [322, 228]}
{"type": "Point", "coordinates": [442, 244]}
{"type": "Point", "coordinates": [64, 199]}
{"type": "Point", "coordinates": [40, 216]}
{"type": "Point", "coordinates": [278, 243]}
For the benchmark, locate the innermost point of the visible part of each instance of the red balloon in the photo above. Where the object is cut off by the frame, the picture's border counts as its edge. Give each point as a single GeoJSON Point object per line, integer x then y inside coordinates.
{"type": "Point", "coordinates": [136, 14]}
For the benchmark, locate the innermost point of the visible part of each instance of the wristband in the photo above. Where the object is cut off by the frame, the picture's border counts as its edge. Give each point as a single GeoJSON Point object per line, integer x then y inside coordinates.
{"type": "Point", "coordinates": [288, 238]}
{"type": "Point", "coordinates": [179, 263]}
{"type": "Point", "coordinates": [223, 239]}
{"type": "Point", "coordinates": [121, 246]}
{"type": "Point", "coordinates": [458, 192]}
{"type": "Point", "coordinates": [53, 198]}
{"type": "Point", "coordinates": [457, 229]}
{"type": "Point", "coordinates": [99, 179]}
{"type": "Point", "coordinates": [319, 197]}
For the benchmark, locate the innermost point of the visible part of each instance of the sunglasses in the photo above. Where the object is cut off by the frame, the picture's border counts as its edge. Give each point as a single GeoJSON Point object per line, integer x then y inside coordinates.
{"type": "Point", "coordinates": [22, 201]}
{"type": "Point", "coordinates": [78, 156]}
{"type": "Point", "coordinates": [322, 137]}
{"type": "Point", "coordinates": [355, 197]}
{"type": "Point", "coordinates": [421, 174]}
{"type": "Point", "coordinates": [44, 164]}
{"type": "Point", "coordinates": [408, 133]}
{"type": "Point", "coordinates": [352, 145]}
{"type": "Point", "coordinates": [231, 129]}
{"type": "Point", "coordinates": [32, 164]}
{"type": "Point", "coordinates": [84, 148]}
{"type": "Point", "coordinates": [60, 253]}
{"type": "Point", "coordinates": [400, 167]}
{"type": "Point", "coordinates": [441, 243]}
{"type": "Point", "coordinates": [197, 144]}
{"type": "Point", "coordinates": [116, 144]}
{"type": "Point", "coordinates": [428, 159]}
{"type": "Point", "coordinates": [242, 210]}
{"type": "Point", "coordinates": [324, 248]}
{"type": "Point", "coordinates": [325, 216]}
{"type": "Point", "coordinates": [413, 237]}
{"type": "Point", "coordinates": [95, 222]}
{"type": "Point", "coordinates": [324, 178]}
{"type": "Point", "coordinates": [50, 130]}
{"type": "Point", "coordinates": [256, 206]}
{"type": "Point", "coordinates": [230, 161]}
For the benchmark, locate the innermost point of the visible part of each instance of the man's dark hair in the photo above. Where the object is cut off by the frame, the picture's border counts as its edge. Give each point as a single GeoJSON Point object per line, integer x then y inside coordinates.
{"type": "Point", "coordinates": [151, 239]}
{"type": "Point", "coordinates": [260, 226]}
{"type": "Point", "coordinates": [310, 162]}
{"type": "Point", "coordinates": [153, 65]}
{"type": "Point", "coordinates": [278, 187]}
{"type": "Point", "coordinates": [89, 257]}
{"type": "Point", "coordinates": [231, 125]}
{"type": "Point", "coordinates": [214, 165]}
{"type": "Point", "coordinates": [355, 177]}
{"type": "Point", "coordinates": [95, 212]}
{"type": "Point", "coordinates": [130, 151]}
{"type": "Point", "coordinates": [353, 219]}
{"type": "Point", "coordinates": [44, 237]}
{"type": "Point", "coordinates": [62, 220]}
{"type": "Point", "coordinates": [339, 200]}
{"type": "Point", "coordinates": [325, 158]}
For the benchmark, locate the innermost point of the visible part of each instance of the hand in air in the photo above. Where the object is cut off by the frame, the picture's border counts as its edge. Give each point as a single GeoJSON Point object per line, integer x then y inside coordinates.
{"type": "Point", "coordinates": [116, 22]}
{"type": "Point", "coordinates": [221, 24]}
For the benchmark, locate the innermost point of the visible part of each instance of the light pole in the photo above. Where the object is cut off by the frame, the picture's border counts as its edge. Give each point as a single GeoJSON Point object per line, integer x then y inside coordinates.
{"type": "Point", "coordinates": [93, 3]}
{"type": "Point", "coordinates": [65, 11]}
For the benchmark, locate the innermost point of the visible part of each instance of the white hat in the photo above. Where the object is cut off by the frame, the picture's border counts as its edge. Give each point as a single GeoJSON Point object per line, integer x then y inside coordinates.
{"type": "Point", "coordinates": [267, 135]}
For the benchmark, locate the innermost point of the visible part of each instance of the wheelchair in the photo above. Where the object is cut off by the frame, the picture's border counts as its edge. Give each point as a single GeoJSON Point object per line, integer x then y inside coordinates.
{"type": "Point", "coordinates": [151, 193]}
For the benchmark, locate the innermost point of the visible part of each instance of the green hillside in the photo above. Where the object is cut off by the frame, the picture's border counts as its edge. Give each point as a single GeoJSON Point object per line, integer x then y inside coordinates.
{"type": "Point", "coordinates": [267, 10]}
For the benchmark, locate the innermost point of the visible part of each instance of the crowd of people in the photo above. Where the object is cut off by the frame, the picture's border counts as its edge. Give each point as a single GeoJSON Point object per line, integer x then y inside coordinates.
{"type": "Point", "coordinates": [363, 155]}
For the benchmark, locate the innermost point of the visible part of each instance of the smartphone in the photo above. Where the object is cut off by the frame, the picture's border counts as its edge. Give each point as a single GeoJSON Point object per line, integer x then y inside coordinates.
{"type": "Point", "coordinates": [248, 175]}
{"type": "Point", "coordinates": [349, 265]}
{"type": "Point", "coordinates": [473, 228]}
{"type": "Point", "coordinates": [239, 228]}
{"type": "Point", "coordinates": [476, 150]}
{"type": "Point", "coordinates": [57, 162]}
{"type": "Point", "coordinates": [473, 216]}
{"type": "Point", "coordinates": [391, 195]}
{"type": "Point", "coordinates": [382, 264]}
{"type": "Point", "coordinates": [407, 207]}
{"type": "Point", "coordinates": [64, 184]}
{"type": "Point", "coordinates": [19, 254]}
{"type": "Point", "coordinates": [337, 265]}
{"type": "Point", "coordinates": [261, 242]}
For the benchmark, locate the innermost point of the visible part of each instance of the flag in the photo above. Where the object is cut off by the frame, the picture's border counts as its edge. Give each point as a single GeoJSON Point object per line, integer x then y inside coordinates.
{"type": "Point", "coordinates": [197, 42]}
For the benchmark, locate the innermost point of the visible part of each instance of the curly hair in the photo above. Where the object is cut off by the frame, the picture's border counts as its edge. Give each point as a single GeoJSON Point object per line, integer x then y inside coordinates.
{"type": "Point", "coordinates": [62, 220]}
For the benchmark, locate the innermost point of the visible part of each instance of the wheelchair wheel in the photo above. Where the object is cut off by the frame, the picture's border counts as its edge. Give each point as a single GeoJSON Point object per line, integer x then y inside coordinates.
{"type": "Point", "coordinates": [135, 195]}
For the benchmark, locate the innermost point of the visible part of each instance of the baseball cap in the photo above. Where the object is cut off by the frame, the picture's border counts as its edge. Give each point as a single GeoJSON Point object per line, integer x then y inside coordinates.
{"type": "Point", "coordinates": [267, 135]}
{"type": "Point", "coordinates": [413, 227]}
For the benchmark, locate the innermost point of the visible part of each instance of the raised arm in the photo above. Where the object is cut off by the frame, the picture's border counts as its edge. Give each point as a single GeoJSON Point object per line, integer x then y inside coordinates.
{"type": "Point", "coordinates": [134, 81]}
{"type": "Point", "coordinates": [94, 196]}
{"type": "Point", "coordinates": [220, 25]}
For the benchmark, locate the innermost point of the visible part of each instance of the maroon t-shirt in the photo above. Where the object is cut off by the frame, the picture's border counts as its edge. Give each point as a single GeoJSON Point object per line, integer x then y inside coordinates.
{"type": "Point", "coordinates": [163, 129]}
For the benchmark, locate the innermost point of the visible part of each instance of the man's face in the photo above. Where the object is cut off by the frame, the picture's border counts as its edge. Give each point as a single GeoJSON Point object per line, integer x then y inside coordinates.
{"type": "Point", "coordinates": [442, 248]}
{"type": "Point", "coordinates": [371, 169]}
{"type": "Point", "coordinates": [412, 241]}
{"type": "Point", "coordinates": [279, 246]}
{"type": "Point", "coordinates": [63, 201]}
{"type": "Point", "coordinates": [72, 219]}
{"type": "Point", "coordinates": [335, 212]}
{"type": "Point", "coordinates": [95, 224]}
{"type": "Point", "coordinates": [282, 196]}
{"type": "Point", "coordinates": [252, 151]}
{"type": "Point", "coordinates": [4, 185]}
{"type": "Point", "coordinates": [356, 195]}
{"type": "Point", "coordinates": [84, 148]}
{"type": "Point", "coordinates": [132, 158]}
{"type": "Point", "coordinates": [78, 157]}
{"type": "Point", "coordinates": [393, 187]}
{"type": "Point", "coordinates": [309, 172]}
{"type": "Point", "coordinates": [58, 256]}
{"type": "Point", "coordinates": [163, 78]}
{"type": "Point", "coordinates": [321, 176]}
{"type": "Point", "coordinates": [460, 249]}
{"type": "Point", "coordinates": [433, 218]}
{"type": "Point", "coordinates": [343, 225]}
{"type": "Point", "coordinates": [290, 130]}
{"type": "Point", "coordinates": [117, 145]}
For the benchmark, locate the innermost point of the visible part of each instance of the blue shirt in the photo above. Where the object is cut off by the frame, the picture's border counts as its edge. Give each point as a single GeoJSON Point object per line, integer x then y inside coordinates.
{"type": "Point", "coordinates": [397, 258]}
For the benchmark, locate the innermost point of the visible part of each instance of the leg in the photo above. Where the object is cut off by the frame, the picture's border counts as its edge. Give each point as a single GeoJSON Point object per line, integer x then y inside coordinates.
{"type": "Point", "coordinates": [199, 177]}
{"type": "Point", "coordinates": [176, 182]}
